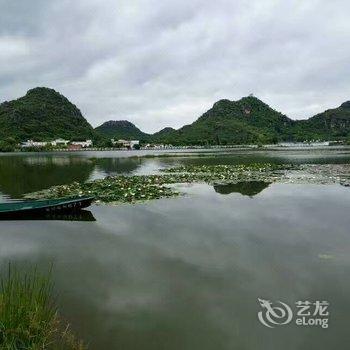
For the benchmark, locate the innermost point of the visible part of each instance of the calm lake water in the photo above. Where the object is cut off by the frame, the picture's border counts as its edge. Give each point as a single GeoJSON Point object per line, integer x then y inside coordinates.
{"type": "Point", "coordinates": [187, 272]}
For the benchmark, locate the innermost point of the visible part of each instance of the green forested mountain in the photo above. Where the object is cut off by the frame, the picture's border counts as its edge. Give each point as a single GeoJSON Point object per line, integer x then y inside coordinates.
{"type": "Point", "coordinates": [333, 124]}
{"type": "Point", "coordinates": [121, 129]}
{"type": "Point", "coordinates": [42, 114]}
{"type": "Point", "coordinates": [164, 135]}
{"type": "Point", "coordinates": [248, 120]}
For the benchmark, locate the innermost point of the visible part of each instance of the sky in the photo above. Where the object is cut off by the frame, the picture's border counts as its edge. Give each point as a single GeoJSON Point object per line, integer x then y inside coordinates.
{"type": "Point", "coordinates": [164, 63]}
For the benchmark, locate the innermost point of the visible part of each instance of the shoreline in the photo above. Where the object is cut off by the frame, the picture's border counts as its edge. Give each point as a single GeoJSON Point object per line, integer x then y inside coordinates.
{"type": "Point", "coordinates": [184, 150]}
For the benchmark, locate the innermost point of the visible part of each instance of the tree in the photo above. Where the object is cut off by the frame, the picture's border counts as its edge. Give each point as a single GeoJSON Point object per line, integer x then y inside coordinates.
{"type": "Point", "coordinates": [8, 145]}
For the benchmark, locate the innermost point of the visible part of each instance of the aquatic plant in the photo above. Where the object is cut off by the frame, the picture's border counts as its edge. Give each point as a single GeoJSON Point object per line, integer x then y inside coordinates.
{"type": "Point", "coordinates": [129, 189]}
{"type": "Point", "coordinates": [229, 169]}
{"type": "Point", "coordinates": [113, 189]}
{"type": "Point", "coordinates": [28, 316]}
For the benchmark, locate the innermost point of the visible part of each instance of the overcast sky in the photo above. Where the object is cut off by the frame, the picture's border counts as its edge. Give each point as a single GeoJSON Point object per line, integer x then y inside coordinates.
{"type": "Point", "coordinates": [163, 63]}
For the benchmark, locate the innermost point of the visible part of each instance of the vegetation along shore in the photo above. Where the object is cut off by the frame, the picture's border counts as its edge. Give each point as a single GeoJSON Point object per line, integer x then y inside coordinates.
{"type": "Point", "coordinates": [29, 318]}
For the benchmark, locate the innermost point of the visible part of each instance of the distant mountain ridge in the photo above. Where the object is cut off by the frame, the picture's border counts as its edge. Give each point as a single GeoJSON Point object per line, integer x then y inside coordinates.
{"type": "Point", "coordinates": [45, 114]}
{"type": "Point", "coordinates": [250, 120]}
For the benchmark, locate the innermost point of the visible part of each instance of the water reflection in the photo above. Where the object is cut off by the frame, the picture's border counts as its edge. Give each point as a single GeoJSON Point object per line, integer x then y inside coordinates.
{"type": "Point", "coordinates": [114, 166]}
{"type": "Point", "coordinates": [23, 173]}
{"type": "Point", "coordinates": [185, 273]}
{"type": "Point", "coordinates": [20, 175]}
{"type": "Point", "coordinates": [248, 188]}
{"type": "Point", "coordinates": [78, 215]}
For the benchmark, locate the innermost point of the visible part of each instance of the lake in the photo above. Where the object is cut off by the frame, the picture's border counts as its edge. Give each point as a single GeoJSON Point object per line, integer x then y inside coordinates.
{"type": "Point", "coordinates": [187, 272]}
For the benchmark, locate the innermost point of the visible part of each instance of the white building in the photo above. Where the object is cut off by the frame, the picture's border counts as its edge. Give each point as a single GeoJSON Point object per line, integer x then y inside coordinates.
{"type": "Point", "coordinates": [134, 143]}
{"type": "Point", "coordinates": [303, 144]}
{"type": "Point", "coordinates": [126, 143]}
{"type": "Point", "coordinates": [60, 142]}
{"type": "Point", "coordinates": [83, 144]}
{"type": "Point", "coordinates": [57, 142]}
{"type": "Point", "coordinates": [31, 143]}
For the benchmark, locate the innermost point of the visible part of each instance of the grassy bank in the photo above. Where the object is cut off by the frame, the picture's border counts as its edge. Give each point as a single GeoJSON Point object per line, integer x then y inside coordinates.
{"type": "Point", "coordinates": [28, 316]}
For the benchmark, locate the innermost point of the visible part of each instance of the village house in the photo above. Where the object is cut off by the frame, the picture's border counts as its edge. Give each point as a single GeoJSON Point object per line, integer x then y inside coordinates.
{"type": "Point", "coordinates": [126, 143]}
{"type": "Point", "coordinates": [60, 142]}
{"type": "Point", "coordinates": [82, 144]}
{"type": "Point", "coordinates": [31, 143]}
{"type": "Point", "coordinates": [72, 147]}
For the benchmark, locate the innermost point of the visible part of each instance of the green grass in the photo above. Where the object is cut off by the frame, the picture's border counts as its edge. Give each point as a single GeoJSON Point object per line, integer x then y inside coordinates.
{"type": "Point", "coordinates": [28, 316]}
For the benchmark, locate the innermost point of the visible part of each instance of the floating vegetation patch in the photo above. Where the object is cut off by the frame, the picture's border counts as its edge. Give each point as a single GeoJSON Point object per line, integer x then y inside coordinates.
{"type": "Point", "coordinates": [327, 173]}
{"type": "Point", "coordinates": [260, 167]}
{"type": "Point", "coordinates": [233, 174]}
{"type": "Point", "coordinates": [113, 189]}
{"type": "Point", "coordinates": [129, 189]}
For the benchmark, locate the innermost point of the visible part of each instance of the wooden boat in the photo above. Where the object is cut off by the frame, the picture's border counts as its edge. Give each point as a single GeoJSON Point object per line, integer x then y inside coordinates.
{"type": "Point", "coordinates": [40, 207]}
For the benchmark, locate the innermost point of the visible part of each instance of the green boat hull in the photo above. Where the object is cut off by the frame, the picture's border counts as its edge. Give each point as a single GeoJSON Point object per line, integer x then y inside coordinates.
{"type": "Point", "coordinates": [40, 207]}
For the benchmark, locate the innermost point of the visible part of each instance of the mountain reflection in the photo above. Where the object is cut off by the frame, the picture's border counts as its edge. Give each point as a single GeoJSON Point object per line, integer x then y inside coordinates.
{"type": "Point", "coordinates": [23, 174]}
{"type": "Point", "coordinates": [246, 188]}
{"type": "Point", "coordinates": [29, 173]}
{"type": "Point", "coordinates": [114, 166]}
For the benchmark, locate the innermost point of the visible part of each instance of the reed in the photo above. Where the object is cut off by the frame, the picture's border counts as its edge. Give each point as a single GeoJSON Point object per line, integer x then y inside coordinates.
{"type": "Point", "coordinates": [28, 316]}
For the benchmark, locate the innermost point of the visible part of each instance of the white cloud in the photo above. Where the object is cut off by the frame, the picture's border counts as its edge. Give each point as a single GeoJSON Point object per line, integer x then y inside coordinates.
{"type": "Point", "coordinates": [164, 63]}
{"type": "Point", "coordinates": [12, 48]}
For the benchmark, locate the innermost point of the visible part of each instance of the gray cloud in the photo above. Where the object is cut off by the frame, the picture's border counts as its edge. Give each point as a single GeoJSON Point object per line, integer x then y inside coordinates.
{"type": "Point", "coordinates": [164, 63]}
